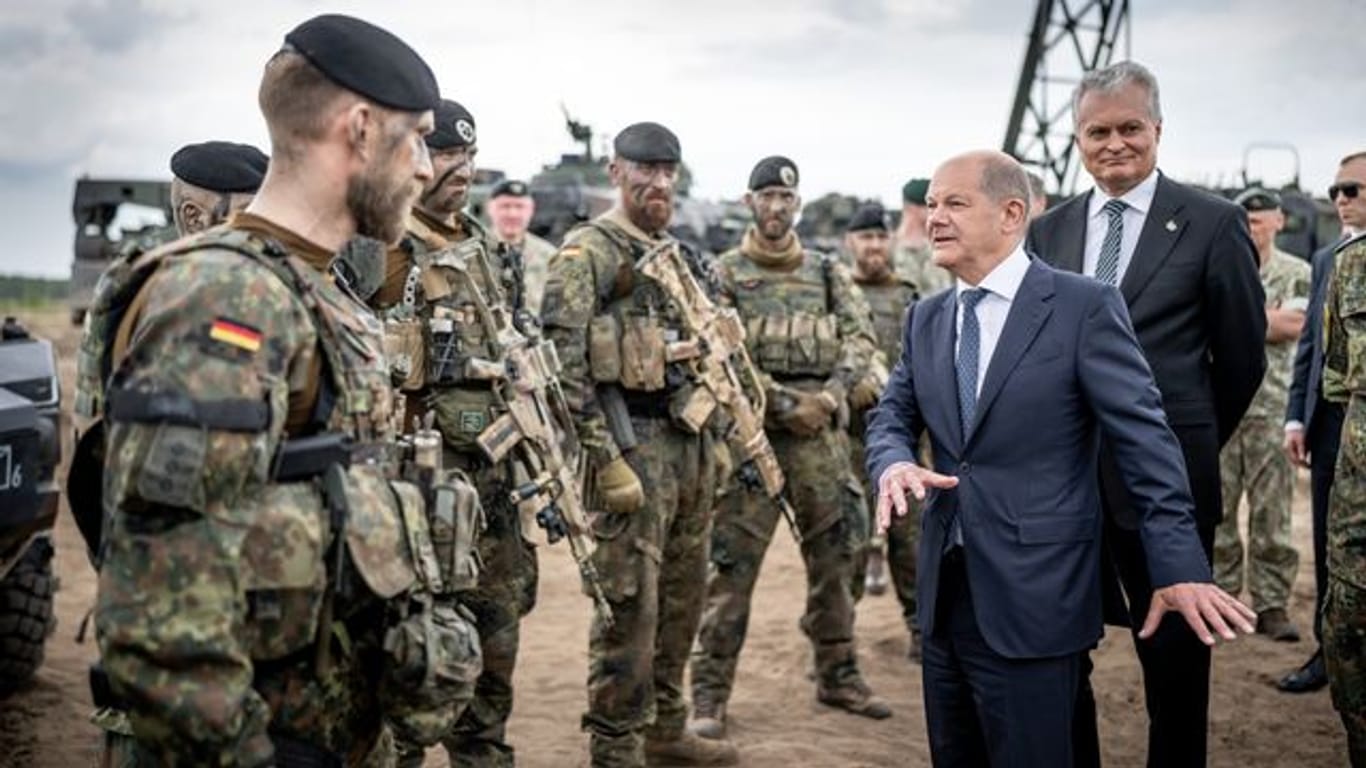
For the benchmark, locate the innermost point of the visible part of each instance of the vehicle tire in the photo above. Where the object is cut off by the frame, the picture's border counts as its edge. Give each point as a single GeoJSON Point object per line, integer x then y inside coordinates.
{"type": "Point", "coordinates": [26, 617]}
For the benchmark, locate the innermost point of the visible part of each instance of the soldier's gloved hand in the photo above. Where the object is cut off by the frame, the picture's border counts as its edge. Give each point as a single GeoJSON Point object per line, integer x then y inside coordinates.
{"type": "Point", "coordinates": [810, 412]}
{"type": "Point", "coordinates": [619, 488]}
{"type": "Point", "coordinates": [864, 393]}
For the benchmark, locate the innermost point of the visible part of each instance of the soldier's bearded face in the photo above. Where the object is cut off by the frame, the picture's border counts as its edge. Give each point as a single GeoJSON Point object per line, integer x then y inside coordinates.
{"type": "Point", "coordinates": [379, 197]}
{"type": "Point", "coordinates": [647, 192]}
{"type": "Point", "coordinates": [453, 174]}
{"type": "Point", "coordinates": [870, 248]}
{"type": "Point", "coordinates": [774, 209]}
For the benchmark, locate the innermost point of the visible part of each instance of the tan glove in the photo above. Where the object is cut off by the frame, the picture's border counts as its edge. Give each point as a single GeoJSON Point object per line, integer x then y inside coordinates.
{"type": "Point", "coordinates": [810, 412]}
{"type": "Point", "coordinates": [864, 393]}
{"type": "Point", "coordinates": [619, 488]}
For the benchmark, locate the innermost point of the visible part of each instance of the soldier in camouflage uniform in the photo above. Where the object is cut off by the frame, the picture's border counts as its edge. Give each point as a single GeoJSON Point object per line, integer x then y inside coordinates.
{"type": "Point", "coordinates": [652, 478]}
{"type": "Point", "coordinates": [1344, 381]}
{"type": "Point", "coordinates": [888, 296]}
{"type": "Point", "coordinates": [269, 589]}
{"type": "Point", "coordinates": [1251, 461]}
{"type": "Point", "coordinates": [424, 284]}
{"type": "Point", "coordinates": [809, 331]}
{"type": "Point", "coordinates": [210, 181]}
{"type": "Point", "coordinates": [510, 209]}
{"type": "Point", "coordinates": [911, 254]}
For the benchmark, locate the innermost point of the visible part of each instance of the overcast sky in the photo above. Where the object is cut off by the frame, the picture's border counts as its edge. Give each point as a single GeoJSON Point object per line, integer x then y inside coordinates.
{"type": "Point", "coordinates": [862, 94]}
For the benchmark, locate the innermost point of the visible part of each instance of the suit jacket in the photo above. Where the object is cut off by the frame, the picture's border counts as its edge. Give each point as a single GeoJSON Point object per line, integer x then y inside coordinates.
{"type": "Point", "coordinates": [1066, 369]}
{"type": "Point", "coordinates": [1307, 378]}
{"type": "Point", "coordinates": [1195, 298]}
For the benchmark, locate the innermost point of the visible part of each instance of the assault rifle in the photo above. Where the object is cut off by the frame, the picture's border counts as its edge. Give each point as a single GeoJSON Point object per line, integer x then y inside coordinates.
{"type": "Point", "coordinates": [719, 366]}
{"type": "Point", "coordinates": [525, 379]}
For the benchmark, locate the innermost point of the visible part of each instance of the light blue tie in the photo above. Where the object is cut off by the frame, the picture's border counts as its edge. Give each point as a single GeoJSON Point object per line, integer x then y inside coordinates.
{"type": "Point", "coordinates": [969, 351]}
{"type": "Point", "coordinates": [1107, 266]}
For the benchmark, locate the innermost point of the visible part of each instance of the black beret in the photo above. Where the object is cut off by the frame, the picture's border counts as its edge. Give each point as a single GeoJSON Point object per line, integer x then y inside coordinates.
{"type": "Point", "coordinates": [647, 143]}
{"type": "Point", "coordinates": [869, 217]}
{"type": "Point", "coordinates": [914, 191]}
{"type": "Point", "coordinates": [510, 188]}
{"type": "Point", "coordinates": [454, 126]}
{"type": "Point", "coordinates": [370, 61]}
{"type": "Point", "coordinates": [773, 171]}
{"type": "Point", "coordinates": [1258, 199]}
{"type": "Point", "coordinates": [220, 166]}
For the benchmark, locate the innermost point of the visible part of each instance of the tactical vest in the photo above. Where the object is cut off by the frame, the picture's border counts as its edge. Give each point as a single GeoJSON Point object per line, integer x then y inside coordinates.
{"type": "Point", "coordinates": [790, 324]}
{"type": "Point", "coordinates": [629, 338]}
{"type": "Point", "coordinates": [439, 338]}
{"type": "Point", "coordinates": [888, 302]}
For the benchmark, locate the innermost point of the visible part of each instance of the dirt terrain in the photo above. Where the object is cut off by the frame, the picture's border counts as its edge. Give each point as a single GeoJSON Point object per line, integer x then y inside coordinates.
{"type": "Point", "coordinates": [775, 719]}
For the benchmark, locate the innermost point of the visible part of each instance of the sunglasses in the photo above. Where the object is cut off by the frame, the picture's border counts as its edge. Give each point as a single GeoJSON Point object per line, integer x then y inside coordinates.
{"type": "Point", "coordinates": [1349, 190]}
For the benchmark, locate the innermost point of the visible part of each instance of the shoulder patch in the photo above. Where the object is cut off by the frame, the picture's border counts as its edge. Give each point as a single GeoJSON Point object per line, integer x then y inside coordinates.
{"type": "Point", "coordinates": [571, 251]}
{"type": "Point", "coordinates": [235, 334]}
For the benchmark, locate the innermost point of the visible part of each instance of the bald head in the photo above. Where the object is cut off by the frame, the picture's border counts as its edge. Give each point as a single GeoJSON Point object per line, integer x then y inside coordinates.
{"type": "Point", "coordinates": [979, 206]}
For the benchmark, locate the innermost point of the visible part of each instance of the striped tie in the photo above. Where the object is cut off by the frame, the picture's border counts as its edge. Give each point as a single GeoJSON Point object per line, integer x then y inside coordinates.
{"type": "Point", "coordinates": [1107, 266]}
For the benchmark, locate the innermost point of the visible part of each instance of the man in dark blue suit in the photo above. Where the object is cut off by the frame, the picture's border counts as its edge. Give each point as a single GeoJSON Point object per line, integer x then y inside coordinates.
{"type": "Point", "coordinates": [1015, 373]}
{"type": "Point", "coordinates": [1313, 425]}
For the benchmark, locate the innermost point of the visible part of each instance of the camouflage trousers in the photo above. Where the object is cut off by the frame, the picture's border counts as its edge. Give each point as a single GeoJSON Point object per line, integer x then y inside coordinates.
{"type": "Point", "coordinates": [901, 541]}
{"type": "Point", "coordinates": [651, 563]}
{"type": "Point", "coordinates": [834, 527]}
{"type": "Point", "coordinates": [120, 748]}
{"type": "Point", "coordinates": [1252, 463]}
{"type": "Point", "coordinates": [506, 593]}
{"type": "Point", "coordinates": [1344, 653]}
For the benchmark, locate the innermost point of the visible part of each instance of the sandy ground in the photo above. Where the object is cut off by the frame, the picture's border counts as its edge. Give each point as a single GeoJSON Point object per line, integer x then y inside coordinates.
{"type": "Point", "coordinates": [776, 721]}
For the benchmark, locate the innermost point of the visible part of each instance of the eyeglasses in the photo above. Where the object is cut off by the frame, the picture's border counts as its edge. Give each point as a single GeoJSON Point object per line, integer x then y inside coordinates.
{"type": "Point", "coordinates": [1349, 190]}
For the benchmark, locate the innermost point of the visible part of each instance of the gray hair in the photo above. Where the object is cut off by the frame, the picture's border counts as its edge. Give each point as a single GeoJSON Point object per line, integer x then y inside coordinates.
{"type": "Point", "coordinates": [1114, 77]}
{"type": "Point", "coordinates": [1003, 178]}
{"type": "Point", "coordinates": [1035, 185]}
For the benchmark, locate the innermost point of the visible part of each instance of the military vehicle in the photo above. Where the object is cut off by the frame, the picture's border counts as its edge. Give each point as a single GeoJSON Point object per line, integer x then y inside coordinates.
{"type": "Point", "coordinates": [112, 214]}
{"type": "Point", "coordinates": [573, 190]}
{"type": "Point", "coordinates": [824, 220]}
{"type": "Point", "coordinates": [30, 450]}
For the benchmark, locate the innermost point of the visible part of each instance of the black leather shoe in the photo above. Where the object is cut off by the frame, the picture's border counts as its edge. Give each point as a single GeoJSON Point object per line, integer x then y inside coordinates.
{"type": "Point", "coordinates": [1308, 678]}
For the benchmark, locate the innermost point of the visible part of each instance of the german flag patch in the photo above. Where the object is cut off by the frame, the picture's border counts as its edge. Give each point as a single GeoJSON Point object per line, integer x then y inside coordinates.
{"type": "Point", "coordinates": [235, 334]}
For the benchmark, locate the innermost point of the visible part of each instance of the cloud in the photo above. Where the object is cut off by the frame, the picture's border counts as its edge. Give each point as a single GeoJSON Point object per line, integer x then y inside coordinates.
{"type": "Point", "coordinates": [115, 26]}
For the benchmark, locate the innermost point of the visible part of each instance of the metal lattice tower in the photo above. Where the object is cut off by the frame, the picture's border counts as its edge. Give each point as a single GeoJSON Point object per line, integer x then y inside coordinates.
{"type": "Point", "coordinates": [1068, 39]}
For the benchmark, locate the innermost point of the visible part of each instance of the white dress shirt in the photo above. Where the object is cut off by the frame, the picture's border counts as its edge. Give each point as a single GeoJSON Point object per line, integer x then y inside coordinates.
{"type": "Point", "coordinates": [1139, 200]}
{"type": "Point", "coordinates": [1001, 284]}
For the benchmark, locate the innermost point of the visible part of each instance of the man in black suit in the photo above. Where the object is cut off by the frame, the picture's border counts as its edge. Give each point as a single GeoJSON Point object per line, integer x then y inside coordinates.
{"type": "Point", "coordinates": [1187, 269]}
{"type": "Point", "coordinates": [1015, 373]}
{"type": "Point", "coordinates": [1313, 425]}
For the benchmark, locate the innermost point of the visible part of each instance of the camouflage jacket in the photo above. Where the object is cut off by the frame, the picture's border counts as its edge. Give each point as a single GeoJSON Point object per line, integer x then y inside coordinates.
{"type": "Point", "coordinates": [804, 321]}
{"type": "Point", "coordinates": [210, 610]}
{"type": "Point", "coordinates": [1344, 381]}
{"type": "Point", "coordinates": [888, 300]}
{"type": "Point", "coordinates": [593, 281]}
{"type": "Point", "coordinates": [536, 256]}
{"type": "Point", "coordinates": [914, 263]}
{"type": "Point", "coordinates": [1285, 279]}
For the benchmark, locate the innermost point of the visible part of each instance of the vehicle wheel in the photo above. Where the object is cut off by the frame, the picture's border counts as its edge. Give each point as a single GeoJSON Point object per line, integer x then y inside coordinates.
{"type": "Point", "coordinates": [26, 617]}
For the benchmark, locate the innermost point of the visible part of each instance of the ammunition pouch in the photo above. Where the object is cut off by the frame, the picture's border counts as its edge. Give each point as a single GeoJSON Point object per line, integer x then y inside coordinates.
{"type": "Point", "coordinates": [800, 344]}
{"type": "Point", "coordinates": [405, 347]}
{"type": "Point", "coordinates": [643, 353]}
{"type": "Point", "coordinates": [433, 660]}
{"type": "Point", "coordinates": [455, 519]}
{"type": "Point", "coordinates": [284, 571]}
{"type": "Point", "coordinates": [604, 349]}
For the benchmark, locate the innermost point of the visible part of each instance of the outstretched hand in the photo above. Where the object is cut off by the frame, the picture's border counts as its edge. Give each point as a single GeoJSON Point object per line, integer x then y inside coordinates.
{"type": "Point", "coordinates": [900, 479]}
{"type": "Point", "coordinates": [1205, 608]}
